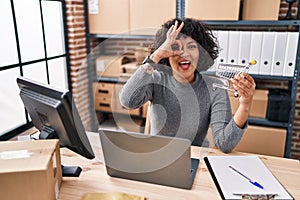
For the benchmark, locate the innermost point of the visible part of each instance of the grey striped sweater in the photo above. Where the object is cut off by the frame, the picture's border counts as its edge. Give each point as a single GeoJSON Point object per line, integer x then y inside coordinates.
{"type": "Point", "coordinates": [184, 110]}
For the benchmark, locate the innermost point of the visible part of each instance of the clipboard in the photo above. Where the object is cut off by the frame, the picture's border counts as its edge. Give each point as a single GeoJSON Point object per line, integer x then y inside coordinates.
{"type": "Point", "coordinates": [232, 185]}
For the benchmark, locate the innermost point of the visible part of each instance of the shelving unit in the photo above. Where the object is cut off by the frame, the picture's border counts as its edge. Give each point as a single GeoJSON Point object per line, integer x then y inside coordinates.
{"type": "Point", "coordinates": [287, 25]}
{"type": "Point", "coordinates": [292, 81]}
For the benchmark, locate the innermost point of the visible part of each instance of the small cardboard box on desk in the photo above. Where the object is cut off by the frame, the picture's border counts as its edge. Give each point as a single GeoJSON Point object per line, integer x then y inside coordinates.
{"type": "Point", "coordinates": [30, 170]}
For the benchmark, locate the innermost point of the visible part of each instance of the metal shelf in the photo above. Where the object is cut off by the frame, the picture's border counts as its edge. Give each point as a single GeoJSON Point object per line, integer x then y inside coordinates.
{"type": "Point", "coordinates": [255, 23]}
{"type": "Point", "coordinates": [287, 23]}
{"type": "Point", "coordinates": [111, 79]}
{"type": "Point", "coordinates": [121, 36]}
{"type": "Point", "coordinates": [107, 79]}
{"type": "Point", "coordinates": [214, 23]}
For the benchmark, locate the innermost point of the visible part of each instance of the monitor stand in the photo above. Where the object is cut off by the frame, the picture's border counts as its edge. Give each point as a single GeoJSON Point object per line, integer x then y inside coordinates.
{"type": "Point", "coordinates": [67, 171]}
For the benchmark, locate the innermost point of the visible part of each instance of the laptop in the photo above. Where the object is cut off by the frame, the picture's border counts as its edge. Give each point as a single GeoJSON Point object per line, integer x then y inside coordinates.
{"type": "Point", "coordinates": [149, 158]}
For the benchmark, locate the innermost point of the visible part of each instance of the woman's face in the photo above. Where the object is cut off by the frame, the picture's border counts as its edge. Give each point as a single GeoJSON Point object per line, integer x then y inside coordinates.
{"type": "Point", "coordinates": [184, 65]}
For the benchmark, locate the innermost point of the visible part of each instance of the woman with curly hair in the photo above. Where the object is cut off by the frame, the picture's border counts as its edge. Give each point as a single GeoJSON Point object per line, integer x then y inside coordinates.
{"type": "Point", "coordinates": [183, 100]}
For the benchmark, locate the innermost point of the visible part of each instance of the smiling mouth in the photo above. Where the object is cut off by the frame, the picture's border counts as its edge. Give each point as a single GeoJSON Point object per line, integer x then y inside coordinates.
{"type": "Point", "coordinates": [185, 65]}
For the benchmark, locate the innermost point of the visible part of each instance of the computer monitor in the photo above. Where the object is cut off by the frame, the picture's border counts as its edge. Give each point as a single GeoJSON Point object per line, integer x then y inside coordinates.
{"type": "Point", "coordinates": [54, 114]}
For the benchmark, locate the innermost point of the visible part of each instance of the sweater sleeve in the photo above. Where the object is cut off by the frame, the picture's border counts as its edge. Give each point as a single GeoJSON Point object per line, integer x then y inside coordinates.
{"type": "Point", "coordinates": [226, 133]}
{"type": "Point", "coordinates": [137, 90]}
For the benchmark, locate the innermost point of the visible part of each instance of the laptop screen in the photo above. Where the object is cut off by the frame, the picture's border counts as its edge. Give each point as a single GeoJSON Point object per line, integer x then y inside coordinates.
{"type": "Point", "coordinates": [155, 159]}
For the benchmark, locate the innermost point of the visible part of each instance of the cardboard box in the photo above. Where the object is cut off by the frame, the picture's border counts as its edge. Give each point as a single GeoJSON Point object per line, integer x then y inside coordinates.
{"type": "Point", "coordinates": [106, 98]}
{"type": "Point", "coordinates": [30, 170]}
{"type": "Point", "coordinates": [109, 66]}
{"type": "Point", "coordinates": [147, 16]}
{"type": "Point", "coordinates": [212, 10]}
{"type": "Point", "coordinates": [118, 108]}
{"type": "Point", "coordinates": [130, 68]}
{"type": "Point", "coordinates": [109, 17]}
{"type": "Point", "coordinates": [263, 140]}
{"type": "Point", "coordinates": [103, 104]}
{"type": "Point", "coordinates": [103, 89]}
{"type": "Point", "coordinates": [261, 9]}
{"type": "Point", "coordinates": [259, 103]}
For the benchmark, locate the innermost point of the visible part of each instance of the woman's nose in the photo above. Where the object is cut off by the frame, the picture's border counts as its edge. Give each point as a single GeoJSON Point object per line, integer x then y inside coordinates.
{"type": "Point", "coordinates": [184, 52]}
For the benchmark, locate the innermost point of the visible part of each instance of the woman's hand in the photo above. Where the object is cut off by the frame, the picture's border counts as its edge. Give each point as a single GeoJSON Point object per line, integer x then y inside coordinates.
{"type": "Point", "coordinates": [245, 85]}
{"type": "Point", "coordinates": [171, 46]}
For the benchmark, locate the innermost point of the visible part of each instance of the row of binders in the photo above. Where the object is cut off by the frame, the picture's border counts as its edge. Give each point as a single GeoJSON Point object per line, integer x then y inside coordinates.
{"type": "Point", "coordinates": [275, 52]}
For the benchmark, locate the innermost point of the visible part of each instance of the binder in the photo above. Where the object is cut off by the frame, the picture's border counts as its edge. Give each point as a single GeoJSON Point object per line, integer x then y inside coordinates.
{"type": "Point", "coordinates": [223, 46]}
{"type": "Point", "coordinates": [279, 53]}
{"type": "Point", "coordinates": [291, 53]}
{"type": "Point", "coordinates": [233, 47]}
{"type": "Point", "coordinates": [266, 53]}
{"type": "Point", "coordinates": [255, 51]}
{"type": "Point", "coordinates": [231, 184]}
{"type": "Point", "coordinates": [244, 47]}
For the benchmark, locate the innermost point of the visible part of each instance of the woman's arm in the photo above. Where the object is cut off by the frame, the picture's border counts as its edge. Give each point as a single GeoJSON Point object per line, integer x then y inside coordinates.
{"type": "Point", "coordinates": [228, 130]}
{"type": "Point", "coordinates": [138, 88]}
{"type": "Point", "coordinates": [225, 132]}
{"type": "Point", "coordinates": [245, 85]}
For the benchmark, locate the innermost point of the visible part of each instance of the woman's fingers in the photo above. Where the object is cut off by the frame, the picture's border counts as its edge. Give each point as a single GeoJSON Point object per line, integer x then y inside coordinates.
{"type": "Point", "coordinates": [180, 27]}
{"type": "Point", "coordinates": [244, 84]}
{"type": "Point", "coordinates": [170, 30]}
{"type": "Point", "coordinates": [174, 30]}
{"type": "Point", "coordinates": [244, 79]}
{"type": "Point", "coordinates": [172, 46]}
{"type": "Point", "coordinates": [248, 77]}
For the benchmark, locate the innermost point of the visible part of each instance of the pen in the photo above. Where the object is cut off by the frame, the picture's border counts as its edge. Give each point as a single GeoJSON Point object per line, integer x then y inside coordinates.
{"type": "Point", "coordinates": [252, 182]}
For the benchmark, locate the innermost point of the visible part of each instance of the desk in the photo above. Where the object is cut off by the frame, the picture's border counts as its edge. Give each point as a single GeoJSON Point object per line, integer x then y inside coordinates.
{"type": "Point", "coordinates": [94, 178]}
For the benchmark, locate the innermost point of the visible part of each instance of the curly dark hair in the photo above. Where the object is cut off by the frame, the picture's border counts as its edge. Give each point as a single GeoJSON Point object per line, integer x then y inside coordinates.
{"type": "Point", "coordinates": [200, 32]}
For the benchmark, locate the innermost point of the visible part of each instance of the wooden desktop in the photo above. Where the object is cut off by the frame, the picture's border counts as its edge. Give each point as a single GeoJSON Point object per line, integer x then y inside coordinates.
{"type": "Point", "coordinates": [94, 178]}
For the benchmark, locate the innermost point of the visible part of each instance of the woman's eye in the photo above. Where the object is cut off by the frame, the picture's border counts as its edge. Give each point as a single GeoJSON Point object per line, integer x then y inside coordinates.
{"type": "Point", "coordinates": [175, 47]}
{"type": "Point", "coordinates": [192, 46]}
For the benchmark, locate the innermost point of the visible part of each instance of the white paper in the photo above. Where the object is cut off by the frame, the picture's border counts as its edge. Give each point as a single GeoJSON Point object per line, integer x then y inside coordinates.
{"type": "Point", "coordinates": [93, 7]}
{"type": "Point", "coordinates": [7, 155]}
{"type": "Point", "coordinates": [100, 65]}
{"type": "Point", "coordinates": [231, 182]}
